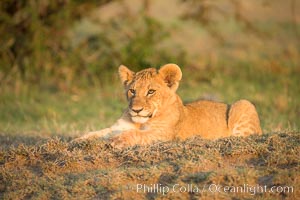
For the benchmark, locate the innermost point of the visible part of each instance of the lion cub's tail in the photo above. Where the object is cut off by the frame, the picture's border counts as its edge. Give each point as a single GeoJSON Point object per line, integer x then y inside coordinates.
{"type": "Point", "coordinates": [243, 119]}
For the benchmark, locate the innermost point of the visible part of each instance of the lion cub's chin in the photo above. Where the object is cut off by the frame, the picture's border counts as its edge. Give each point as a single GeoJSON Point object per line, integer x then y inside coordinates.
{"type": "Point", "coordinates": [140, 120]}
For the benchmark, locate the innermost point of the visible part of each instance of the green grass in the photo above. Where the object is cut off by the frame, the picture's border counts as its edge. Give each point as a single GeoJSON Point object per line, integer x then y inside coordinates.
{"type": "Point", "coordinates": [58, 113]}
{"type": "Point", "coordinates": [44, 112]}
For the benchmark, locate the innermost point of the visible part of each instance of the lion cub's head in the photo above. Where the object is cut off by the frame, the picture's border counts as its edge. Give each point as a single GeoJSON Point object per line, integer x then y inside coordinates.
{"type": "Point", "coordinates": [150, 91]}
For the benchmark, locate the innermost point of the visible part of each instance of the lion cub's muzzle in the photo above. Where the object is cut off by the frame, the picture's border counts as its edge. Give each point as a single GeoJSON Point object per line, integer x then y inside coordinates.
{"type": "Point", "coordinates": [139, 115]}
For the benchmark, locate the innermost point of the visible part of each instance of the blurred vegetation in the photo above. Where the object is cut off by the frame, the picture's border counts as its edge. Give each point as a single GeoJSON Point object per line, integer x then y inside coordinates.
{"type": "Point", "coordinates": [36, 45]}
{"type": "Point", "coordinates": [58, 58]}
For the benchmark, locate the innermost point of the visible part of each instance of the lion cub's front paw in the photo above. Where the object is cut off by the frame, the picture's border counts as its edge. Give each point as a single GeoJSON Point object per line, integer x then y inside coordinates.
{"type": "Point", "coordinates": [118, 143]}
{"type": "Point", "coordinates": [124, 140]}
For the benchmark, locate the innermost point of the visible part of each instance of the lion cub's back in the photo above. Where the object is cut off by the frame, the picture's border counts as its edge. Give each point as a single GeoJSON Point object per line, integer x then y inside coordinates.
{"type": "Point", "coordinates": [205, 118]}
{"type": "Point", "coordinates": [213, 120]}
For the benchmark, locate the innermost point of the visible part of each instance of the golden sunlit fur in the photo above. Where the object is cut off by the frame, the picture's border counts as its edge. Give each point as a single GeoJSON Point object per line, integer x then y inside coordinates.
{"type": "Point", "coordinates": [156, 113]}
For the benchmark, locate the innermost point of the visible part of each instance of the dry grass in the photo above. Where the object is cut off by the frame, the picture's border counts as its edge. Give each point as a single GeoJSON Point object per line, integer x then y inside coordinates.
{"type": "Point", "coordinates": [59, 169]}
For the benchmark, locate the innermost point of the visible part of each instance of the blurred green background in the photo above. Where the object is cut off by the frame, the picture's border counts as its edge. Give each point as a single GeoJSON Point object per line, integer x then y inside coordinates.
{"type": "Point", "coordinates": [59, 59]}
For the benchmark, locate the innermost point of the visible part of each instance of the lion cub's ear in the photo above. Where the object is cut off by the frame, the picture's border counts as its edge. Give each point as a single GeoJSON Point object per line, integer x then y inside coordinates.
{"type": "Point", "coordinates": [126, 75]}
{"type": "Point", "coordinates": [171, 74]}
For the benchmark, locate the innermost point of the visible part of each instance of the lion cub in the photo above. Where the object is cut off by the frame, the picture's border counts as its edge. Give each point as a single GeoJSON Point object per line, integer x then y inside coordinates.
{"type": "Point", "coordinates": [156, 113]}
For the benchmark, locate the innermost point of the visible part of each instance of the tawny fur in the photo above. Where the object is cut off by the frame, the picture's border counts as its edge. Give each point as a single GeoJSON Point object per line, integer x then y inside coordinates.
{"type": "Point", "coordinates": [156, 113]}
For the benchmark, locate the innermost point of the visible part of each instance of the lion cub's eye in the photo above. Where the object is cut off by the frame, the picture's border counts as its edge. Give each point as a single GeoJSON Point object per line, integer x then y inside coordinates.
{"type": "Point", "coordinates": [151, 91]}
{"type": "Point", "coordinates": [132, 91]}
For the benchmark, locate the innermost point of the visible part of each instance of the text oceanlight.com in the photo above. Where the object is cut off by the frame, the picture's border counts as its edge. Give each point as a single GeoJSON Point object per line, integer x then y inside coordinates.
{"type": "Point", "coordinates": [212, 188]}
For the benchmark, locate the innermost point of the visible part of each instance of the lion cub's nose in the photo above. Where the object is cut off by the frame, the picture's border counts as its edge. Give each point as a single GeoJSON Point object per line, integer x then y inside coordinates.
{"type": "Point", "coordinates": [137, 110]}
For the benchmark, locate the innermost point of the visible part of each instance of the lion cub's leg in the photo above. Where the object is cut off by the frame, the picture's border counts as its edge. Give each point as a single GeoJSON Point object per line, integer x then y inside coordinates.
{"type": "Point", "coordinates": [119, 127]}
{"type": "Point", "coordinates": [243, 119]}
{"type": "Point", "coordinates": [96, 134]}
